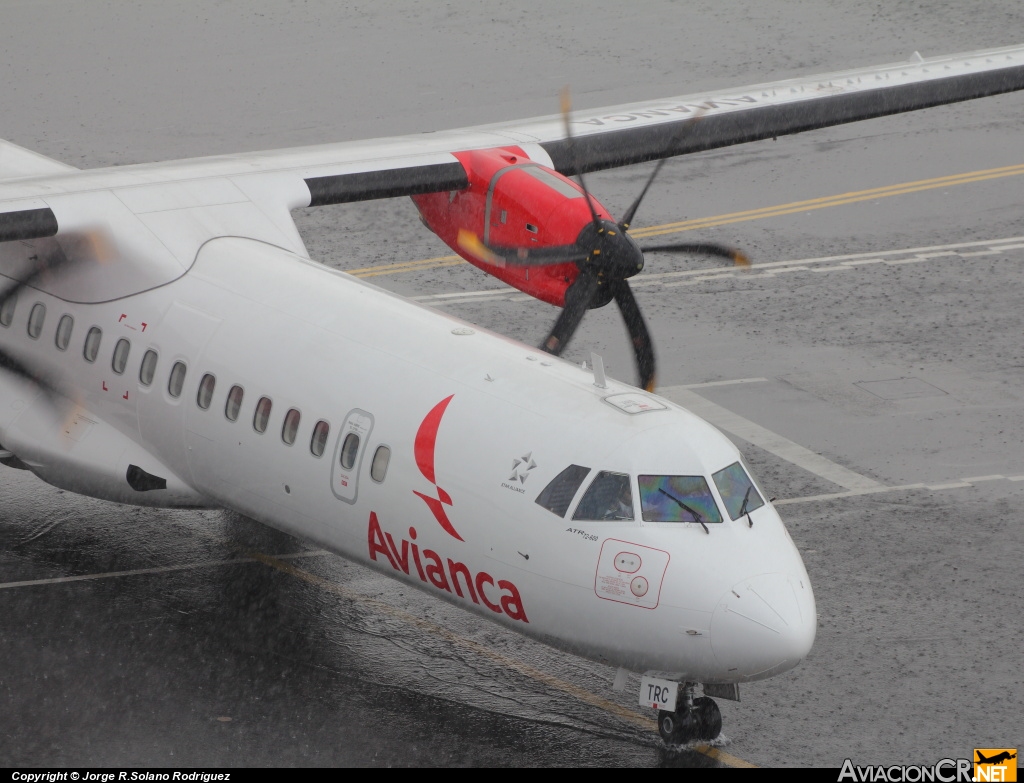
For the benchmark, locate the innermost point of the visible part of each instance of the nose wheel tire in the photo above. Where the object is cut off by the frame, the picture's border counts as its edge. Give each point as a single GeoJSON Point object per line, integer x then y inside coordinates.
{"type": "Point", "coordinates": [675, 729]}
{"type": "Point", "coordinates": [709, 718]}
{"type": "Point", "coordinates": [703, 722]}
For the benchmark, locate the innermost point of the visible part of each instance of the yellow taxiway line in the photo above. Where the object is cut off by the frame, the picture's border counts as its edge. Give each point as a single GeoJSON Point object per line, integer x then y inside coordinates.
{"type": "Point", "coordinates": [778, 210]}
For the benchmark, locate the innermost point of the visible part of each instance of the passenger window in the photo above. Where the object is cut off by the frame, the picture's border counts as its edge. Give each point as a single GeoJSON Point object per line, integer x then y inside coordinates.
{"type": "Point", "coordinates": [349, 449]}
{"type": "Point", "coordinates": [291, 426]}
{"type": "Point", "coordinates": [557, 495]}
{"type": "Point", "coordinates": [677, 499]}
{"type": "Point", "coordinates": [610, 496]}
{"type": "Point", "coordinates": [148, 368]}
{"type": "Point", "coordinates": [35, 320]}
{"type": "Point", "coordinates": [92, 344]}
{"type": "Point", "coordinates": [117, 364]}
{"type": "Point", "coordinates": [7, 310]}
{"type": "Point", "coordinates": [737, 490]}
{"type": "Point", "coordinates": [234, 403]}
{"type": "Point", "coordinates": [205, 393]}
{"type": "Point", "coordinates": [63, 336]}
{"type": "Point", "coordinates": [177, 379]}
{"type": "Point", "coordinates": [318, 442]}
{"type": "Point", "coordinates": [379, 466]}
{"type": "Point", "coordinates": [262, 415]}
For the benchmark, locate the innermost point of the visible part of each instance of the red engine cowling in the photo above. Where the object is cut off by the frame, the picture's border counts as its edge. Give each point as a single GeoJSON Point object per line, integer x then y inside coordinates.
{"type": "Point", "coordinates": [512, 201]}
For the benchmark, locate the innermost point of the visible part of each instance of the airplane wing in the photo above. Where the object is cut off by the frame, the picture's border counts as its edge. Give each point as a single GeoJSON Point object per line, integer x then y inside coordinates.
{"type": "Point", "coordinates": [634, 133]}
{"type": "Point", "coordinates": [638, 132]}
{"type": "Point", "coordinates": [286, 179]}
{"type": "Point", "coordinates": [17, 162]}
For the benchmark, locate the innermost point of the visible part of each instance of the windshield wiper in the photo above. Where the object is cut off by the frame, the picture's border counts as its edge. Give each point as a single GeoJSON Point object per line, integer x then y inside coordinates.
{"type": "Point", "coordinates": [697, 517]}
{"type": "Point", "coordinates": [743, 508]}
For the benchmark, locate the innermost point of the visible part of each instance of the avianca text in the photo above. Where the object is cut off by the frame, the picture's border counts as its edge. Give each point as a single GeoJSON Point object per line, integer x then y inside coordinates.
{"type": "Point", "coordinates": [501, 596]}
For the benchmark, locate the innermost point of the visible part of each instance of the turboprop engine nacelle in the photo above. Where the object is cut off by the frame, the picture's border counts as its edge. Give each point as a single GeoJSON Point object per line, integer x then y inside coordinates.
{"type": "Point", "coordinates": [512, 201]}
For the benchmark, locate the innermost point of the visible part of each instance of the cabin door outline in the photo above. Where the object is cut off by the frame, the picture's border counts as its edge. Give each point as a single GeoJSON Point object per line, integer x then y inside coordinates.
{"type": "Point", "coordinates": [345, 481]}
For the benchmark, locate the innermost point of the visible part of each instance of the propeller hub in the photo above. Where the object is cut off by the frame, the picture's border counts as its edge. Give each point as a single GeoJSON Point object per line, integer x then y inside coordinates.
{"type": "Point", "coordinates": [613, 255]}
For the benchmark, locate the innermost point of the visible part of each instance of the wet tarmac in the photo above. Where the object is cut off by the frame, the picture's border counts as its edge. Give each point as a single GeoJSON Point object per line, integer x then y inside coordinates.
{"type": "Point", "coordinates": [875, 391]}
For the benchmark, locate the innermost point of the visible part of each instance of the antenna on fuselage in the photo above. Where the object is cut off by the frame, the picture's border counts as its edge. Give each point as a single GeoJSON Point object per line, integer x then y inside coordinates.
{"type": "Point", "coordinates": [598, 364]}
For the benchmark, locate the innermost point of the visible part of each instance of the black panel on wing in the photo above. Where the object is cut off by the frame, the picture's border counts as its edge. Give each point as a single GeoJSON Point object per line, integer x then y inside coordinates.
{"type": "Point", "coordinates": [27, 224]}
{"type": "Point", "coordinates": [386, 183]}
{"type": "Point", "coordinates": [626, 146]}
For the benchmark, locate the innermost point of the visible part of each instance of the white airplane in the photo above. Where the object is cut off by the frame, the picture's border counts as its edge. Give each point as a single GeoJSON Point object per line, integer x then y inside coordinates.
{"type": "Point", "coordinates": [166, 341]}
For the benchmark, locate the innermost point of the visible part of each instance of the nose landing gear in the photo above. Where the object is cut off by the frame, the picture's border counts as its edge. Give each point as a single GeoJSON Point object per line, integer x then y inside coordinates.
{"type": "Point", "coordinates": [693, 719]}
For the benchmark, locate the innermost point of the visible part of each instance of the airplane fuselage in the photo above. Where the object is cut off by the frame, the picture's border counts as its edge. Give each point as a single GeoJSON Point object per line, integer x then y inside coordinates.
{"type": "Point", "coordinates": [475, 427]}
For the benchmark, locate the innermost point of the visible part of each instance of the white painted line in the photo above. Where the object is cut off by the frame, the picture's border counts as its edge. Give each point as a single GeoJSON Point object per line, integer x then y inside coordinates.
{"type": "Point", "coordinates": [112, 574]}
{"type": "Point", "coordinates": [850, 494]}
{"type": "Point", "coordinates": [972, 479]}
{"type": "Point", "coordinates": [157, 570]}
{"type": "Point", "coordinates": [723, 383]}
{"type": "Point", "coordinates": [676, 285]}
{"type": "Point", "coordinates": [961, 250]}
{"type": "Point", "coordinates": [856, 493]}
{"type": "Point", "coordinates": [769, 441]}
{"type": "Point", "coordinates": [445, 303]}
{"type": "Point", "coordinates": [465, 294]}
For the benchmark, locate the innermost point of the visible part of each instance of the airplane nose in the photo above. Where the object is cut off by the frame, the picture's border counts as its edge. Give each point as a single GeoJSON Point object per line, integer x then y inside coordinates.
{"type": "Point", "coordinates": [764, 625]}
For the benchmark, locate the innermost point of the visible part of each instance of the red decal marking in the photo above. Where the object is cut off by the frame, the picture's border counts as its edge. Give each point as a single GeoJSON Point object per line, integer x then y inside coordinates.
{"type": "Point", "coordinates": [438, 511]}
{"type": "Point", "coordinates": [144, 325]}
{"type": "Point", "coordinates": [426, 436]}
{"type": "Point", "coordinates": [105, 386]}
{"type": "Point", "coordinates": [423, 450]}
{"type": "Point", "coordinates": [125, 397]}
{"type": "Point", "coordinates": [123, 316]}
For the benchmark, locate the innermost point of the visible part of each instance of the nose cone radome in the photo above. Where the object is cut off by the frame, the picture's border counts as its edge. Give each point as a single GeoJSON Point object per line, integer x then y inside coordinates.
{"type": "Point", "coordinates": [764, 625]}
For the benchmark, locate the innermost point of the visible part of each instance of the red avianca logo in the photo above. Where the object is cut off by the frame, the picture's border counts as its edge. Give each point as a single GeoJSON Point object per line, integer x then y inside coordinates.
{"type": "Point", "coordinates": [499, 595]}
{"type": "Point", "coordinates": [423, 448]}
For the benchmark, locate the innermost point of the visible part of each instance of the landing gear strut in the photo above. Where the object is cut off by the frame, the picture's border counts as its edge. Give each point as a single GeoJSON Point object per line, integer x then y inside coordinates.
{"type": "Point", "coordinates": [693, 719]}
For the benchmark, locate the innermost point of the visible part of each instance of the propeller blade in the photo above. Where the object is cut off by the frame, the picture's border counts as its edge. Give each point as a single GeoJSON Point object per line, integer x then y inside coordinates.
{"type": "Point", "coordinates": [520, 256]}
{"type": "Point", "coordinates": [471, 243]}
{"type": "Point", "coordinates": [15, 367]}
{"type": "Point", "coordinates": [627, 219]}
{"type": "Point", "coordinates": [578, 298]}
{"type": "Point", "coordinates": [643, 347]}
{"type": "Point", "coordinates": [7, 362]}
{"type": "Point", "coordinates": [566, 102]}
{"type": "Point", "coordinates": [738, 257]}
{"type": "Point", "coordinates": [48, 266]}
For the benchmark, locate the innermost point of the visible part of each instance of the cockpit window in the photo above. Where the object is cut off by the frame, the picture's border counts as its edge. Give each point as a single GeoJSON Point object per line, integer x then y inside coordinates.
{"type": "Point", "coordinates": [677, 499]}
{"type": "Point", "coordinates": [608, 497]}
{"type": "Point", "coordinates": [737, 490]}
{"type": "Point", "coordinates": [557, 495]}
